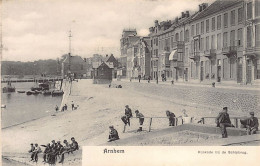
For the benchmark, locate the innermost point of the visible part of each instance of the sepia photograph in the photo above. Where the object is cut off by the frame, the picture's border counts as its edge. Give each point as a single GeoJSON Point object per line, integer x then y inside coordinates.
{"type": "Point", "coordinates": [106, 80]}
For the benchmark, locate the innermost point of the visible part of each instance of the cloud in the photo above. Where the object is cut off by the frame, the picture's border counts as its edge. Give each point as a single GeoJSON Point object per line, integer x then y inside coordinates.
{"type": "Point", "coordinates": [38, 29]}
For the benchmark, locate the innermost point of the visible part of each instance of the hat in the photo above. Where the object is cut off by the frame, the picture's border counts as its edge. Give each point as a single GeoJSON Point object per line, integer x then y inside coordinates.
{"type": "Point", "coordinates": [224, 108]}
{"type": "Point", "coordinates": [167, 111]}
{"type": "Point", "coordinates": [58, 142]}
{"type": "Point", "coordinates": [251, 113]}
{"type": "Point", "coordinates": [36, 144]}
{"type": "Point", "coordinates": [126, 106]}
{"type": "Point", "coordinates": [136, 111]}
{"type": "Point", "coordinates": [31, 143]}
{"type": "Point", "coordinates": [111, 126]}
{"type": "Point", "coordinates": [72, 138]}
{"type": "Point", "coordinates": [65, 141]}
{"type": "Point", "coordinates": [53, 141]}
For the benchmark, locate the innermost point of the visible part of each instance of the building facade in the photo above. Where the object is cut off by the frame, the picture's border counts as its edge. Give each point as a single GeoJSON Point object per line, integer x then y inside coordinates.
{"type": "Point", "coordinates": [217, 43]}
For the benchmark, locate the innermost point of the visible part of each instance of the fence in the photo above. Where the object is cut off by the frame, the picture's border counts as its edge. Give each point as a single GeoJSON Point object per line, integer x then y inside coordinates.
{"type": "Point", "coordinates": [162, 122]}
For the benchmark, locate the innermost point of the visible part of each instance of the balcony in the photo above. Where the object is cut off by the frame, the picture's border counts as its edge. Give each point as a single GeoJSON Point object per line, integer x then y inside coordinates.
{"type": "Point", "coordinates": [229, 51]}
{"type": "Point", "coordinates": [179, 46]}
{"type": "Point", "coordinates": [178, 64]}
{"type": "Point", "coordinates": [210, 53]}
{"type": "Point", "coordinates": [195, 56]}
{"type": "Point", "coordinates": [252, 52]}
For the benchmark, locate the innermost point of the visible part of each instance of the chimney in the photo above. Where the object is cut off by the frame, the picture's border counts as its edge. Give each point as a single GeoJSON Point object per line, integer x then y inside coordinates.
{"type": "Point", "coordinates": [204, 6]}
{"type": "Point", "coordinates": [151, 29]}
{"type": "Point", "coordinates": [182, 15]}
{"type": "Point", "coordinates": [187, 14]}
{"type": "Point", "coordinates": [156, 23]}
{"type": "Point", "coordinates": [200, 8]}
{"type": "Point", "coordinates": [176, 19]}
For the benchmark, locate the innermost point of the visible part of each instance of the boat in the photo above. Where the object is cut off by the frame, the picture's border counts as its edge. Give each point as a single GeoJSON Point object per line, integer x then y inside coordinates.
{"type": "Point", "coordinates": [29, 93]}
{"type": "Point", "coordinates": [36, 88]}
{"type": "Point", "coordinates": [45, 93]}
{"type": "Point", "coordinates": [35, 92]}
{"type": "Point", "coordinates": [3, 106]}
{"type": "Point", "coordinates": [8, 88]}
{"type": "Point", "coordinates": [57, 93]}
{"type": "Point", "coordinates": [44, 86]}
{"type": "Point", "coordinates": [21, 91]}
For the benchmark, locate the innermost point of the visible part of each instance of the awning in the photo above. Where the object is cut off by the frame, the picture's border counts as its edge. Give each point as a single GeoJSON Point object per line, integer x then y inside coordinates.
{"type": "Point", "coordinates": [173, 55]}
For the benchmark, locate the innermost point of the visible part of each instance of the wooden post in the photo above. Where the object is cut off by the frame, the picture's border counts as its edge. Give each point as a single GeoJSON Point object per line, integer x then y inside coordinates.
{"type": "Point", "coordinates": [150, 125]}
{"type": "Point", "coordinates": [236, 122]}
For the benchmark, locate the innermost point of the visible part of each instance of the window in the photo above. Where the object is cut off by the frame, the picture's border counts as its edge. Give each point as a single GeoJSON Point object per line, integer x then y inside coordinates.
{"type": "Point", "coordinates": [191, 67]}
{"type": "Point", "coordinates": [201, 44]}
{"type": "Point", "coordinates": [225, 39]}
{"type": "Point", "coordinates": [177, 37]}
{"type": "Point", "coordinates": [213, 42]}
{"type": "Point", "coordinates": [257, 35]}
{"type": "Point", "coordinates": [240, 37]}
{"type": "Point", "coordinates": [219, 22]}
{"type": "Point", "coordinates": [257, 8]}
{"type": "Point", "coordinates": [232, 18]}
{"type": "Point", "coordinates": [249, 10]}
{"type": "Point", "coordinates": [219, 41]}
{"type": "Point", "coordinates": [207, 43]}
{"type": "Point", "coordinates": [240, 15]}
{"type": "Point", "coordinates": [187, 35]}
{"type": "Point", "coordinates": [156, 41]}
{"type": "Point", "coordinates": [258, 69]}
{"type": "Point", "coordinates": [197, 28]}
{"type": "Point", "coordinates": [213, 24]}
{"type": "Point", "coordinates": [249, 36]}
{"type": "Point", "coordinates": [172, 42]}
{"type": "Point", "coordinates": [225, 20]}
{"type": "Point", "coordinates": [202, 27]}
{"type": "Point", "coordinates": [232, 38]}
{"type": "Point", "coordinates": [207, 25]}
{"type": "Point", "coordinates": [192, 30]}
{"type": "Point", "coordinates": [181, 36]}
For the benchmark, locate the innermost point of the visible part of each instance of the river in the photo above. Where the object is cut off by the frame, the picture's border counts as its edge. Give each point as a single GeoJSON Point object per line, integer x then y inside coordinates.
{"type": "Point", "coordinates": [22, 108]}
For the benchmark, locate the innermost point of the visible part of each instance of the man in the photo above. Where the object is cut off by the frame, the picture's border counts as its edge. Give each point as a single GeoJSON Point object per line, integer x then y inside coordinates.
{"type": "Point", "coordinates": [57, 108]}
{"type": "Point", "coordinates": [65, 107]}
{"type": "Point", "coordinates": [252, 124]}
{"type": "Point", "coordinates": [113, 134]}
{"type": "Point", "coordinates": [171, 117]}
{"type": "Point", "coordinates": [128, 115]}
{"type": "Point", "coordinates": [72, 105]}
{"type": "Point", "coordinates": [46, 153]}
{"type": "Point", "coordinates": [31, 151]}
{"type": "Point", "coordinates": [139, 77]}
{"type": "Point", "coordinates": [36, 151]}
{"type": "Point", "coordinates": [74, 144]}
{"type": "Point", "coordinates": [53, 145]}
{"type": "Point", "coordinates": [223, 121]}
{"type": "Point", "coordinates": [149, 79]}
{"type": "Point", "coordinates": [141, 120]}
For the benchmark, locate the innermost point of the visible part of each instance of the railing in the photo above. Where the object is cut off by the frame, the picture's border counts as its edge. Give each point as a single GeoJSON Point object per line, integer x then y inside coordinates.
{"type": "Point", "coordinates": [177, 121]}
{"type": "Point", "coordinates": [234, 118]}
{"type": "Point", "coordinates": [229, 50]}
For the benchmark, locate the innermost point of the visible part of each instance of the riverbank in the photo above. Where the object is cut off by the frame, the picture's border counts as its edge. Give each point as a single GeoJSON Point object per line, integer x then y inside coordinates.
{"type": "Point", "coordinates": [99, 107]}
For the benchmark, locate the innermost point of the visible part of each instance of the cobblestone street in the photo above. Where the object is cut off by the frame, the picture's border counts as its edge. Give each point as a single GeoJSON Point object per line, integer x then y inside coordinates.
{"type": "Point", "coordinates": [241, 100]}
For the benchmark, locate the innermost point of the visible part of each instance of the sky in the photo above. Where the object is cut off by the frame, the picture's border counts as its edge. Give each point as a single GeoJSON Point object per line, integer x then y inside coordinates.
{"type": "Point", "coordinates": [39, 29]}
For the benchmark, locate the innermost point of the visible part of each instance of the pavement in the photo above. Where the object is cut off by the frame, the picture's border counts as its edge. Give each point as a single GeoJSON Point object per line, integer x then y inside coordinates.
{"type": "Point", "coordinates": [202, 84]}
{"type": "Point", "coordinates": [238, 99]}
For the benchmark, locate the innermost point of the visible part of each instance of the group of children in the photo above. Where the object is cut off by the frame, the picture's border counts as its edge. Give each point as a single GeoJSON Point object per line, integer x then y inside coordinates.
{"type": "Point", "coordinates": [65, 107]}
{"type": "Point", "coordinates": [53, 151]}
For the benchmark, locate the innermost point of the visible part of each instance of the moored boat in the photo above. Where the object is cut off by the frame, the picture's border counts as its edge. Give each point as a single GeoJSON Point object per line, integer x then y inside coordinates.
{"type": "Point", "coordinates": [45, 93]}
{"type": "Point", "coordinates": [57, 93]}
{"type": "Point", "coordinates": [29, 93]}
{"type": "Point", "coordinates": [21, 91]}
{"type": "Point", "coordinates": [8, 88]}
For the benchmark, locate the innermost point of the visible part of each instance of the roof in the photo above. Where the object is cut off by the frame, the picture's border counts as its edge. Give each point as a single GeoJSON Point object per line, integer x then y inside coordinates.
{"type": "Point", "coordinates": [73, 59]}
{"type": "Point", "coordinates": [96, 65]}
{"type": "Point", "coordinates": [215, 7]}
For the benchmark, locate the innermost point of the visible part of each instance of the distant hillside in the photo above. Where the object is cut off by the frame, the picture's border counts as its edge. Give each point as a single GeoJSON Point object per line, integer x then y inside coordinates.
{"type": "Point", "coordinates": [48, 67]}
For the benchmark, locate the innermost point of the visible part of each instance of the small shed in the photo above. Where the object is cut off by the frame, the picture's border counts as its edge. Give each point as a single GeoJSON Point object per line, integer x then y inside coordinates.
{"type": "Point", "coordinates": [103, 73]}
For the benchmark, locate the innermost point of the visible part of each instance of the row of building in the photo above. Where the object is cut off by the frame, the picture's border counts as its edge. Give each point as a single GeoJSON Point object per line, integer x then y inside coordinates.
{"type": "Point", "coordinates": [218, 43]}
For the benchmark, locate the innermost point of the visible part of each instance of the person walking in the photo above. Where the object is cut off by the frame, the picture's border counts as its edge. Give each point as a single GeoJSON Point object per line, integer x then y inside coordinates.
{"type": "Point", "coordinates": [113, 134]}
{"type": "Point", "coordinates": [171, 116]}
{"type": "Point", "coordinates": [223, 121]}
{"type": "Point", "coordinates": [141, 120]}
{"type": "Point", "coordinates": [139, 78]}
{"type": "Point", "coordinates": [252, 124]}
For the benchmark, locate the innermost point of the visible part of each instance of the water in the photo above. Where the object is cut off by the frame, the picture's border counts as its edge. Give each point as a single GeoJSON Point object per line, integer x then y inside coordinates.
{"type": "Point", "coordinates": [22, 108]}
